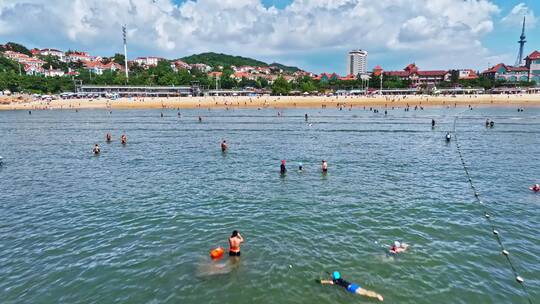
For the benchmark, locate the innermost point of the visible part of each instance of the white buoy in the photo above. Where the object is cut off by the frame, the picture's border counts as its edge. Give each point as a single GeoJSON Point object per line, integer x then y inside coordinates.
{"type": "Point", "coordinates": [487, 215]}
{"type": "Point", "coordinates": [505, 252]}
{"type": "Point", "coordinates": [519, 279]}
{"type": "Point", "coordinates": [495, 232]}
{"type": "Point", "coordinates": [290, 266]}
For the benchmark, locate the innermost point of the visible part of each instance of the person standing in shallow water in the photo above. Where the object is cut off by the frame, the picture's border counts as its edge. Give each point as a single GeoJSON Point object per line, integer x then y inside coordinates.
{"type": "Point", "coordinates": [433, 123]}
{"type": "Point", "coordinates": [324, 166]}
{"type": "Point", "coordinates": [123, 139]}
{"type": "Point", "coordinates": [224, 146]}
{"type": "Point", "coordinates": [234, 243]}
{"type": "Point", "coordinates": [282, 168]}
{"type": "Point", "coordinates": [108, 137]}
{"type": "Point", "coordinates": [96, 149]}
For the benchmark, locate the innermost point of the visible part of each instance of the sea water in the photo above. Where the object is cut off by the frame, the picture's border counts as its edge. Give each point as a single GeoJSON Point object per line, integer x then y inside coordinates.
{"type": "Point", "coordinates": [136, 223]}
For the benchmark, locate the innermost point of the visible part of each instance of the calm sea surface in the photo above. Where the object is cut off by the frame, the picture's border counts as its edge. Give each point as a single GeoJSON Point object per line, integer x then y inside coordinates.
{"type": "Point", "coordinates": [135, 224]}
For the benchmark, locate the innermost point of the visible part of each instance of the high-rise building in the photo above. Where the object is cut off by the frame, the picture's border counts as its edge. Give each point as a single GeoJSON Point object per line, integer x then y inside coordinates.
{"type": "Point", "coordinates": [357, 62]}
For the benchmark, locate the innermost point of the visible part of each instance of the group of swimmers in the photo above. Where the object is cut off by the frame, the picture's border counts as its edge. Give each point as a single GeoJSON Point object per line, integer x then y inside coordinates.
{"type": "Point", "coordinates": [490, 123]}
{"type": "Point", "coordinates": [108, 138]}
{"type": "Point", "coordinates": [283, 167]}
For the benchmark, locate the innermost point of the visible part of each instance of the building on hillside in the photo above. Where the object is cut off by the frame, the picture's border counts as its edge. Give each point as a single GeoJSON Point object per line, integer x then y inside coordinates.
{"type": "Point", "coordinates": [204, 68]}
{"type": "Point", "coordinates": [98, 68]}
{"type": "Point", "coordinates": [357, 62]}
{"type": "Point", "coordinates": [53, 52]}
{"type": "Point", "coordinates": [53, 73]}
{"type": "Point", "coordinates": [417, 77]}
{"type": "Point", "coordinates": [263, 70]}
{"type": "Point", "coordinates": [148, 61]}
{"type": "Point", "coordinates": [215, 74]}
{"type": "Point", "coordinates": [467, 74]}
{"type": "Point", "coordinates": [240, 75]}
{"type": "Point", "coordinates": [532, 62]}
{"type": "Point", "coordinates": [503, 72]}
{"type": "Point", "coordinates": [35, 52]}
{"type": "Point", "coordinates": [180, 65]}
{"type": "Point", "coordinates": [33, 70]}
{"type": "Point", "coordinates": [79, 56]}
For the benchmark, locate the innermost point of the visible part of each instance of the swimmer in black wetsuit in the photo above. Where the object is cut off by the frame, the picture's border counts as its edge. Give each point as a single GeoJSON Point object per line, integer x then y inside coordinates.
{"type": "Point", "coordinates": [96, 149]}
{"type": "Point", "coordinates": [282, 168]}
{"type": "Point", "coordinates": [351, 287]}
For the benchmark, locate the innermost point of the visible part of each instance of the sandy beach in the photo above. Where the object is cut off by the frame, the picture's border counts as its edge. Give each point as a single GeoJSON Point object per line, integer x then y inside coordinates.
{"type": "Point", "coordinates": [26, 103]}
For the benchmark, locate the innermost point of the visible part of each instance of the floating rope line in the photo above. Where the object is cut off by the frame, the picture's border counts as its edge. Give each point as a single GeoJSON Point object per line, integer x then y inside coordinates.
{"type": "Point", "coordinates": [487, 215]}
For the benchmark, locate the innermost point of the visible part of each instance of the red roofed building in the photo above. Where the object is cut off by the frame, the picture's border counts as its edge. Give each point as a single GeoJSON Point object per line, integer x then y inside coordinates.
{"type": "Point", "coordinates": [377, 71]}
{"type": "Point", "coordinates": [98, 68]}
{"type": "Point", "coordinates": [503, 72]}
{"type": "Point", "coordinates": [325, 77]}
{"type": "Point", "coordinates": [532, 62]}
{"type": "Point", "coordinates": [215, 74]}
{"type": "Point", "coordinates": [416, 76]}
{"type": "Point", "coordinates": [467, 74]}
{"type": "Point", "coordinates": [78, 56]}
{"type": "Point", "coordinates": [348, 78]}
{"type": "Point", "coordinates": [240, 75]}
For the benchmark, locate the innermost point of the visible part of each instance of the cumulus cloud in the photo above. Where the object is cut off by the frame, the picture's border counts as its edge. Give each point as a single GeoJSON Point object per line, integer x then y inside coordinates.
{"type": "Point", "coordinates": [515, 16]}
{"type": "Point", "coordinates": [247, 27]}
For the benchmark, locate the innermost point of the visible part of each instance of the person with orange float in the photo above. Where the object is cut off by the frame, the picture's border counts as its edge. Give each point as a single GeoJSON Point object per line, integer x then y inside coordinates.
{"type": "Point", "coordinates": [234, 243]}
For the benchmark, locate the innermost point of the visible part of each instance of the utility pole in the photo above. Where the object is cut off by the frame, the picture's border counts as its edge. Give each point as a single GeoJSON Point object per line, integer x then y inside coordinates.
{"type": "Point", "coordinates": [125, 53]}
{"type": "Point", "coordinates": [380, 91]}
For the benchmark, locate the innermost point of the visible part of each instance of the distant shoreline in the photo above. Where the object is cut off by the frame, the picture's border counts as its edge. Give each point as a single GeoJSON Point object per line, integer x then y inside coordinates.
{"type": "Point", "coordinates": [283, 102]}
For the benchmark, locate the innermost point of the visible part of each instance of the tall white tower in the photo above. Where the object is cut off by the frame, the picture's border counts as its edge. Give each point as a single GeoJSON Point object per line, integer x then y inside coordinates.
{"type": "Point", "coordinates": [357, 62]}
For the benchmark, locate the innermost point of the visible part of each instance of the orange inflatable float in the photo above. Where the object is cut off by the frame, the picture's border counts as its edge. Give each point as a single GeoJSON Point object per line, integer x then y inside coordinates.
{"type": "Point", "coordinates": [217, 253]}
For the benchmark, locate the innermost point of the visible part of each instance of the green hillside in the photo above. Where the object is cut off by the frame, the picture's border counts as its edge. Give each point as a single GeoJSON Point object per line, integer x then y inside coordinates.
{"type": "Point", "coordinates": [215, 59]}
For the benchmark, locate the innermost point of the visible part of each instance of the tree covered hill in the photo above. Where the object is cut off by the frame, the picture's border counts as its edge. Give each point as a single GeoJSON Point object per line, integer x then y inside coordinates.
{"type": "Point", "coordinates": [218, 59]}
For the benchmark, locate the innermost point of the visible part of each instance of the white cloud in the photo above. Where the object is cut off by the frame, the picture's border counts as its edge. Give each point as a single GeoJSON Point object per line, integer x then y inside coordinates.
{"type": "Point", "coordinates": [515, 16]}
{"type": "Point", "coordinates": [246, 27]}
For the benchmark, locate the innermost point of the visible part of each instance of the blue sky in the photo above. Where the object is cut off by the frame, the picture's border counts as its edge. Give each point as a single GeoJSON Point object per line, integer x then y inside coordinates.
{"type": "Point", "coordinates": [312, 34]}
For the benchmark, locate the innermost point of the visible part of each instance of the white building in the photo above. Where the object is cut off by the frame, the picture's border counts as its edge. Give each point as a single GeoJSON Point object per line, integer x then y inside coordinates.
{"type": "Point", "coordinates": [53, 52]}
{"type": "Point", "coordinates": [148, 61]}
{"type": "Point", "coordinates": [357, 62]}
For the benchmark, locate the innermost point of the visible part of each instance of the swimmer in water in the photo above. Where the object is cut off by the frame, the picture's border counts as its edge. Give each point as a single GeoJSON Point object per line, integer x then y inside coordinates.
{"type": "Point", "coordinates": [282, 168]}
{"type": "Point", "coordinates": [234, 243]}
{"type": "Point", "coordinates": [535, 188]}
{"type": "Point", "coordinates": [491, 124]}
{"type": "Point", "coordinates": [350, 287]}
{"type": "Point", "coordinates": [448, 136]}
{"type": "Point", "coordinates": [433, 123]}
{"type": "Point", "coordinates": [487, 122]}
{"type": "Point", "coordinates": [324, 166]}
{"type": "Point", "coordinates": [300, 167]}
{"type": "Point", "coordinates": [398, 247]}
{"type": "Point", "coordinates": [224, 146]}
{"type": "Point", "coordinates": [108, 137]}
{"type": "Point", "coordinates": [123, 139]}
{"type": "Point", "coordinates": [96, 149]}
{"type": "Point", "coordinates": [200, 119]}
